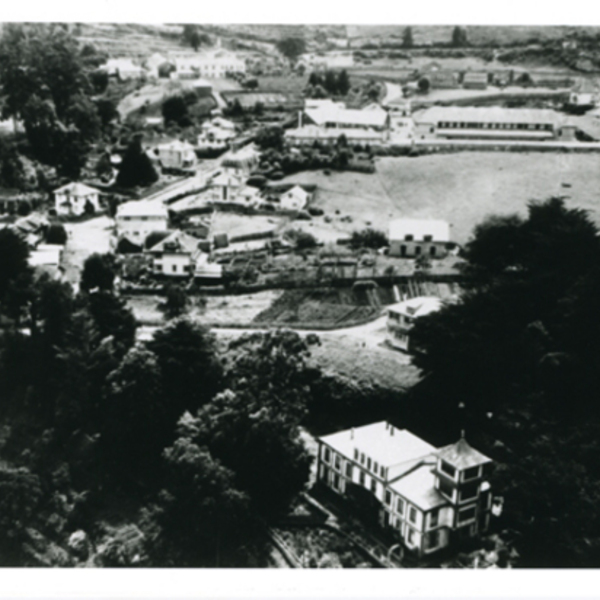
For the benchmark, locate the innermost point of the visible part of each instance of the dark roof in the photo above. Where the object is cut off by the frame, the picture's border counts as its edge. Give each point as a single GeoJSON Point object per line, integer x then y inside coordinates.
{"type": "Point", "coordinates": [462, 456]}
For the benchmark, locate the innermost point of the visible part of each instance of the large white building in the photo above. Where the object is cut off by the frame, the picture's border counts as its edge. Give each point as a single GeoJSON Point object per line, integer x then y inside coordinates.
{"type": "Point", "coordinates": [430, 497]}
{"type": "Point", "coordinates": [410, 238]}
{"type": "Point", "coordinates": [177, 155]}
{"type": "Point", "coordinates": [493, 123]}
{"type": "Point", "coordinates": [212, 65]}
{"type": "Point", "coordinates": [73, 198]}
{"type": "Point", "coordinates": [136, 219]}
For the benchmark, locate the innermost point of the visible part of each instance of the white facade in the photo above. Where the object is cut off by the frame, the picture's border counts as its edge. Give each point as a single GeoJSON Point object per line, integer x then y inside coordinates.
{"type": "Point", "coordinates": [177, 155]}
{"type": "Point", "coordinates": [429, 497]}
{"type": "Point", "coordinates": [401, 318]}
{"type": "Point", "coordinates": [211, 66]}
{"type": "Point", "coordinates": [71, 199]}
{"type": "Point", "coordinates": [294, 199]}
{"type": "Point", "coordinates": [410, 238]}
{"type": "Point", "coordinates": [137, 219]}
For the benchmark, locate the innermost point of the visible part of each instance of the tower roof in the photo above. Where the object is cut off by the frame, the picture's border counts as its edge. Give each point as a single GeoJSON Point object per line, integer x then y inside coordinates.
{"type": "Point", "coordinates": [462, 455]}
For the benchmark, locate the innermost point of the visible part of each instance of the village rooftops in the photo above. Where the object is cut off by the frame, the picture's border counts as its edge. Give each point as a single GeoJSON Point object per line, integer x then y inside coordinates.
{"type": "Point", "coordinates": [462, 455]}
{"type": "Point", "coordinates": [492, 114]}
{"type": "Point", "coordinates": [76, 189]}
{"type": "Point", "coordinates": [142, 208]}
{"type": "Point", "coordinates": [418, 486]}
{"type": "Point", "coordinates": [382, 442]}
{"type": "Point", "coordinates": [310, 132]}
{"type": "Point", "coordinates": [417, 307]}
{"type": "Point", "coordinates": [177, 145]}
{"type": "Point", "coordinates": [419, 229]}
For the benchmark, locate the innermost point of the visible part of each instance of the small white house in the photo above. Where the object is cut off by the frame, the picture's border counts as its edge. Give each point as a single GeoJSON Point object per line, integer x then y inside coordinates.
{"type": "Point", "coordinates": [72, 199]}
{"type": "Point", "coordinates": [177, 155]}
{"type": "Point", "coordinates": [241, 161]}
{"type": "Point", "coordinates": [295, 198]}
{"type": "Point", "coordinates": [137, 219]}
{"type": "Point", "coordinates": [123, 68]}
{"type": "Point", "coordinates": [410, 238]}
{"type": "Point", "coordinates": [584, 93]}
{"type": "Point", "coordinates": [175, 255]}
{"type": "Point", "coordinates": [401, 318]}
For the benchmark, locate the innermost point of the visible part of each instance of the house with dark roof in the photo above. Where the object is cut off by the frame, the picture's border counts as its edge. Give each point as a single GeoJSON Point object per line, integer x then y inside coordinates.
{"type": "Point", "coordinates": [475, 80]}
{"type": "Point", "coordinates": [176, 255]}
{"type": "Point", "coordinates": [428, 498]}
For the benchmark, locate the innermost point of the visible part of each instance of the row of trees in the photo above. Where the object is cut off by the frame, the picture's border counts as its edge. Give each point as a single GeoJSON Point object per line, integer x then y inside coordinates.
{"type": "Point", "coordinates": [331, 82]}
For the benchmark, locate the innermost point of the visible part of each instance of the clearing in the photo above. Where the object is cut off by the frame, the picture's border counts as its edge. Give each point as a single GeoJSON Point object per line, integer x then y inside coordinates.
{"type": "Point", "coordinates": [462, 188]}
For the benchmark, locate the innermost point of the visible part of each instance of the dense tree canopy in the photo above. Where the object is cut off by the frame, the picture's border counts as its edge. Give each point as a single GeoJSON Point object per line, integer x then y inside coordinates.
{"type": "Point", "coordinates": [291, 47]}
{"type": "Point", "coordinates": [136, 168]}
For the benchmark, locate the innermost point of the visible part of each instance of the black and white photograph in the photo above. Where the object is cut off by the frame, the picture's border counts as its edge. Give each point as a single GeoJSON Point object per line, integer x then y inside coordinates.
{"type": "Point", "coordinates": [299, 295]}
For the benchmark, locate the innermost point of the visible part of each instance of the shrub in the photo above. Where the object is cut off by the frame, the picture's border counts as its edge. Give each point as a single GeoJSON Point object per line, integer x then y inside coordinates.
{"type": "Point", "coordinates": [368, 238]}
{"type": "Point", "coordinates": [56, 234]}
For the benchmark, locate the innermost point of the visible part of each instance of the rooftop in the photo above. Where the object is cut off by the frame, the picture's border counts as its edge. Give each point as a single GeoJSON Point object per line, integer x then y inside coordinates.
{"type": "Point", "coordinates": [76, 189]}
{"type": "Point", "coordinates": [418, 487]}
{"type": "Point", "coordinates": [142, 208]}
{"type": "Point", "coordinates": [462, 455]}
{"type": "Point", "coordinates": [177, 242]}
{"type": "Point", "coordinates": [417, 307]}
{"type": "Point", "coordinates": [335, 114]}
{"type": "Point", "coordinates": [382, 442]}
{"type": "Point", "coordinates": [492, 114]}
{"type": "Point", "coordinates": [400, 228]}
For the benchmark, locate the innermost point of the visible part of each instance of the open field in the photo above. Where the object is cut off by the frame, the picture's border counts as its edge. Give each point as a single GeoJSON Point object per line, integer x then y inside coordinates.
{"type": "Point", "coordinates": [235, 224]}
{"type": "Point", "coordinates": [462, 188]}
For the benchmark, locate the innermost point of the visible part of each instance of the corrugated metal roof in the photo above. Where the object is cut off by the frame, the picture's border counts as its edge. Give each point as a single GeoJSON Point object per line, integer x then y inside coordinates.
{"type": "Point", "coordinates": [493, 114]}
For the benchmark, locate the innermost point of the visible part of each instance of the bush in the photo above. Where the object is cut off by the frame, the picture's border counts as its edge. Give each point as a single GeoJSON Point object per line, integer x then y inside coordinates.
{"type": "Point", "coordinates": [302, 239]}
{"type": "Point", "coordinates": [56, 234]}
{"type": "Point", "coordinates": [368, 238]}
{"type": "Point", "coordinates": [315, 211]}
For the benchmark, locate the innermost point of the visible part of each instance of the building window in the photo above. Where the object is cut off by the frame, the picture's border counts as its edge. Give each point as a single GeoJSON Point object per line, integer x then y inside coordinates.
{"type": "Point", "coordinates": [362, 458]}
{"type": "Point", "coordinates": [336, 481]}
{"type": "Point", "coordinates": [369, 464]}
{"type": "Point", "coordinates": [469, 491]}
{"type": "Point", "coordinates": [428, 238]}
{"type": "Point", "coordinates": [471, 473]}
{"type": "Point", "coordinates": [412, 514]}
{"type": "Point", "coordinates": [409, 237]}
{"type": "Point", "coordinates": [434, 518]}
{"type": "Point", "coordinates": [326, 455]}
{"type": "Point", "coordinates": [400, 506]}
{"type": "Point", "coordinates": [432, 250]}
{"type": "Point", "coordinates": [374, 485]}
{"type": "Point", "coordinates": [433, 539]}
{"type": "Point", "coordinates": [384, 472]}
{"type": "Point", "coordinates": [361, 478]}
{"type": "Point", "coordinates": [410, 534]}
{"type": "Point", "coordinates": [388, 497]}
{"type": "Point", "coordinates": [466, 514]}
{"type": "Point", "coordinates": [349, 470]}
{"type": "Point", "coordinates": [448, 469]}
{"type": "Point", "coordinates": [375, 468]}
{"type": "Point", "coordinates": [445, 488]}
{"type": "Point", "coordinates": [338, 462]}
{"type": "Point", "coordinates": [355, 454]}
{"type": "Point", "coordinates": [417, 250]}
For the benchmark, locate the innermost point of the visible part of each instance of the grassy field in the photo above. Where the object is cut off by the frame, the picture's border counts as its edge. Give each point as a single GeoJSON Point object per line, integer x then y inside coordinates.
{"type": "Point", "coordinates": [462, 188]}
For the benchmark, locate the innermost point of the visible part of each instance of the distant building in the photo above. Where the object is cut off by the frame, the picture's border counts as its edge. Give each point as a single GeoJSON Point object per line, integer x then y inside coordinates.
{"type": "Point", "coordinates": [177, 155]}
{"type": "Point", "coordinates": [136, 219]}
{"type": "Point", "coordinates": [401, 318]}
{"type": "Point", "coordinates": [454, 122]}
{"type": "Point", "coordinates": [212, 65]}
{"type": "Point", "coordinates": [241, 162]}
{"type": "Point", "coordinates": [309, 134]}
{"type": "Point", "coordinates": [410, 238]}
{"type": "Point", "coordinates": [584, 94]}
{"type": "Point", "coordinates": [175, 255]}
{"type": "Point", "coordinates": [428, 498]}
{"type": "Point", "coordinates": [123, 68]}
{"type": "Point", "coordinates": [216, 134]}
{"type": "Point", "coordinates": [295, 198]}
{"type": "Point", "coordinates": [443, 80]}
{"type": "Point", "coordinates": [475, 80]}
{"type": "Point", "coordinates": [72, 199]}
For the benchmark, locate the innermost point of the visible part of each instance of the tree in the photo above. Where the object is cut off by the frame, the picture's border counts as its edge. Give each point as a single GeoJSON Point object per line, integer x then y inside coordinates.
{"type": "Point", "coordinates": [343, 83]}
{"type": "Point", "coordinates": [331, 82]}
{"type": "Point", "coordinates": [20, 495]}
{"type": "Point", "coordinates": [424, 85]}
{"type": "Point", "coordinates": [291, 47]}
{"type": "Point", "coordinates": [315, 79]}
{"type": "Point", "coordinates": [107, 111]}
{"type": "Point", "coordinates": [56, 234]}
{"type": "Point", "coordinates": [99, 272]}
{"type": "Point", "coordinates": [191, 369]}
{"type": "Point", "coordinates": [135, 426]}
{"type": "Point", "coordinates": [407, 38]}
{"type": "Point", "coordinates": [202, 519]}
{"type": "Point", "coordinates": [14, 263]}
{"type": "Point", "coordinates": [459, 37]}
{"type": "Point", "coordinates": [176, 302]}
{"type": "Point", "coordinates": [191, 36]}
{"type": "Point", "coordinates": [270, 137]}
{"type": "Point", "coordinates": [136, 167]}
{"type": "Point", "coordinates": [175, 109]}
{"type": "Point", "coordinates": [368, 238]}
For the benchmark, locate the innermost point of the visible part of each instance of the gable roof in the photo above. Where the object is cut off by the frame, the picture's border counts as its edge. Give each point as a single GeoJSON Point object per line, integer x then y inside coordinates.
{"type": "Point", "coordinates": [462, 455]}
{"type": "Point", "coordinates": [76, 189]}
{"type": "Point", "coordinates": [335, 114]}
{"type": "Point", "coordinates": [491, 114]}
{"type": "Point", "coordinates": [417, 307]}
{"type": "Point", "coordinates": [177, 243]}
{"type": "Point", "coordinates": [418, 487]}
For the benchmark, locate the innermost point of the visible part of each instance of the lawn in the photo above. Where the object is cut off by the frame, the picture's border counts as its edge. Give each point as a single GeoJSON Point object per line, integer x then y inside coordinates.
{"type": "Point", "coordinates": [461, 188]}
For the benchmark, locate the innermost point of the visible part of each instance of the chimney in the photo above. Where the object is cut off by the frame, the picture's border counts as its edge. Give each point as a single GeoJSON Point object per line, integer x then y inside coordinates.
{"type": "Point", "coordinates": [352, 433]}
{"type": "Point", "coordinates": [391, 430]}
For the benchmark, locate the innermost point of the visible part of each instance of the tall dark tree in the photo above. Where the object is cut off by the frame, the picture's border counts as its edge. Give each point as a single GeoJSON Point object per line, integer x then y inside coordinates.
{"type": "Point", "coordinates": [291, 47]}
{"type": "Point", "coordinates": [14, 263]}
{"type": "Point", "coordinates": [343, 82]}
{"type": "Point", "coordinates": [99, 271]}
{"type": "Point", "coordinates": [459, 37]}
{"type": "Point", "coordinates": [407, 38]}
{"type": "Point", "coordinates": [136, 168]}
